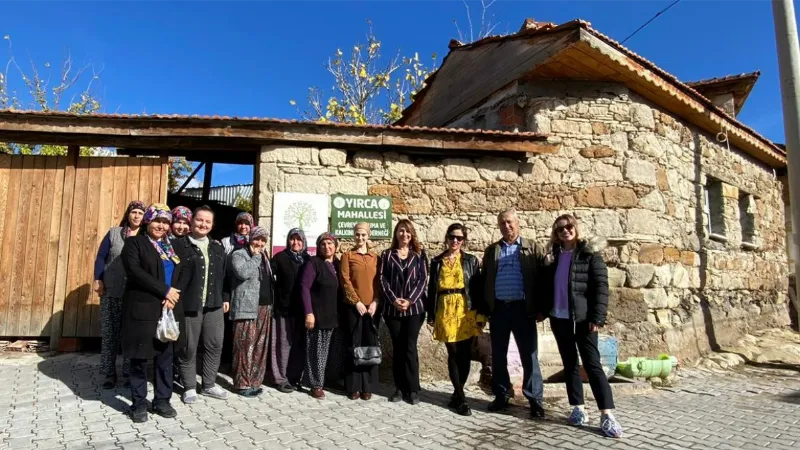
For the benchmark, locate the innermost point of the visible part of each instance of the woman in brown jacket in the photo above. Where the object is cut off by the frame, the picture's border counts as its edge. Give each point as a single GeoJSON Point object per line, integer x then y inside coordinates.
{"type": "Point", "coordinates": [359, 279]}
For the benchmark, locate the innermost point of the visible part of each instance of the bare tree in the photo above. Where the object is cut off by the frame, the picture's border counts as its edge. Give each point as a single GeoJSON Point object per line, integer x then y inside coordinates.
{"type": "Point", "coordinates": [45, 90]}
{"type": "Point", "coordinates": [485, 28]}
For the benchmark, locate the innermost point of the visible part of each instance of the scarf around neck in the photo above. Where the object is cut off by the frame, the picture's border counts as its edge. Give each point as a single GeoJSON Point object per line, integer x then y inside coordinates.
{"type": "Point", "coordinates": [164, 248]}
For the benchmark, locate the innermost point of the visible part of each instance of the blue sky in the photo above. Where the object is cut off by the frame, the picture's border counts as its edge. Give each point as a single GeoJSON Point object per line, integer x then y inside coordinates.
{"type": "Point", "coordinates": [251, 58]}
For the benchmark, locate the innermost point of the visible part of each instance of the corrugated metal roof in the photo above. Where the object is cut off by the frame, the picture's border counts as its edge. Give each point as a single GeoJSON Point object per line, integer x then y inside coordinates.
{"type": "Point", "coordinates": [222, 194]}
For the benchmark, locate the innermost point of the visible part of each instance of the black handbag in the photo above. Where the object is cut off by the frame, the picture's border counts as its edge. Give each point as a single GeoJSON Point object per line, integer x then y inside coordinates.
{"type": "Point", "coordinates": [368, 355]}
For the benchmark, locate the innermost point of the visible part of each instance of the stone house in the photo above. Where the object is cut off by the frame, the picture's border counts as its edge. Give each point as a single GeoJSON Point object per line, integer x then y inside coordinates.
{"type": "Point", "coordinates": [686, 195]}
{"type": "Point", "coordinates": [552, 119]}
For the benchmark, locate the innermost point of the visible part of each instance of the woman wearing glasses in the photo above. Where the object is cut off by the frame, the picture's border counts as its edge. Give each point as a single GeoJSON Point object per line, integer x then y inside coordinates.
{"type": "Point", "coordinates": [455, 291]}
{"type": "Point", "coordinates": [576, 301]}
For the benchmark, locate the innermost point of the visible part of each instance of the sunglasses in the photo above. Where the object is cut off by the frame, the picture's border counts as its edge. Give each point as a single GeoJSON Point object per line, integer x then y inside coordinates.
{"type": "Point", "coordinates": [453, 237]}
{"type": "Point", "coordinates": [568, 227]}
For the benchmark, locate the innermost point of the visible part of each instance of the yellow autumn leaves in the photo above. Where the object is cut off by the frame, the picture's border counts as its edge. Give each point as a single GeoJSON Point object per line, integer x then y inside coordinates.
{"type": "Point", "coordinates": [366, 88]}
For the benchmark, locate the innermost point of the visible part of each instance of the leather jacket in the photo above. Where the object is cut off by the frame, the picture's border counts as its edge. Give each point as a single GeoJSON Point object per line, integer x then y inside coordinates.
{"type": "Point", "coordinates": [473, 284]}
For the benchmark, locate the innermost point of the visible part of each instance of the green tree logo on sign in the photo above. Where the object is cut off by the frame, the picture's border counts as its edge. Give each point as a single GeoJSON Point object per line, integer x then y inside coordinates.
{"type": "Point", "coordinates": [300, 215]}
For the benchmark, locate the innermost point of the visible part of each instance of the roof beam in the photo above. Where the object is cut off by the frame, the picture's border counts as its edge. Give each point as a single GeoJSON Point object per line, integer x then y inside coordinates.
{"type": "Point", "coordinates": [188, 134]}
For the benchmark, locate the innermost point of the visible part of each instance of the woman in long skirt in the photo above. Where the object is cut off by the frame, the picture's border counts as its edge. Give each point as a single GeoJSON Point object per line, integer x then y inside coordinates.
{"type": "Point", "coordinates": [287, 337]}
{"type": "Point", "coordinates": [251, 305]}
{"type": "Point", "coordinates": [109, 283]}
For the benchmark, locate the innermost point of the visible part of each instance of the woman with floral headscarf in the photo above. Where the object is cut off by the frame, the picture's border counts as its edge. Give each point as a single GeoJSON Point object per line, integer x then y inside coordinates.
{"type": "Point", "coordinates": [320, 292]}
{"type": "Point", "coordinates": [251, 307]}
{"type": "Point", "coordinates": [181, 222]}
{"type": "Point", "coordinates": [154, 281]}
{"type": "Point", "coordinates": [238, 239]}
{"type": "Point", "coordinates": [109, 283]}
{"type": "Point", "coordinates": [287, 337]}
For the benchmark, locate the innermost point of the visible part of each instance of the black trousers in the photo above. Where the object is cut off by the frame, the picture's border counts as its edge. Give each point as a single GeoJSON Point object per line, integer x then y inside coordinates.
{"type": "Point", "coordinates": [459, 357]}
{"type": "Point", "coordinates": [162, 377]}
{"type": "Point", "coordinates": [405, 359]}
{"type": "Point", "coordinates": [572, 338]}
{"type": "Point", "coordinates": [360, 333]}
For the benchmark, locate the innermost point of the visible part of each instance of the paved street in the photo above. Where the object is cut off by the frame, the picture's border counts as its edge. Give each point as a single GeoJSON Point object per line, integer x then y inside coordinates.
{"type": "Point", "coordinates": [57, 403]}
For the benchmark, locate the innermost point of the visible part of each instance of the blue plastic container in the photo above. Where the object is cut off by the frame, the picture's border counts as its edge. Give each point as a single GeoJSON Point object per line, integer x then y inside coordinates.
{"type": "Point", "coordinates": [608, 346]}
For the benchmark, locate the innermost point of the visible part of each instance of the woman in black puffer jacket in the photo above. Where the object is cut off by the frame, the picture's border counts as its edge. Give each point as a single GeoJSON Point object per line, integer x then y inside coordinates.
{"type": "Point", "coordinates": [576, 301]}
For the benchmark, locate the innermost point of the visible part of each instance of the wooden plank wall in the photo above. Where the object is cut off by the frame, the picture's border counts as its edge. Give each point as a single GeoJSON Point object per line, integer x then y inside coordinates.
{"type": "Point", "coordinates": [53, 215]}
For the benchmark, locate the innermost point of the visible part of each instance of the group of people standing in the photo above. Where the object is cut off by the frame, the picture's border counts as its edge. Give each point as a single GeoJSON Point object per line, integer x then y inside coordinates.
{"type": "Point", "coordinates": [285, 309]}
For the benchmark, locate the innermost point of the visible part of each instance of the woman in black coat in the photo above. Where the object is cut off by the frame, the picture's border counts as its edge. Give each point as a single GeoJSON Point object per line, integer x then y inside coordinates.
{"type": "Point", "coordinates": [154, 281]}
{"type": "Point", "coordinates": [576, 301]}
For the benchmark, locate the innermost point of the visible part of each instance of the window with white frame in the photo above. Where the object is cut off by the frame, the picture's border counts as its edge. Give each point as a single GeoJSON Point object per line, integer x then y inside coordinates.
{"type": "Point", "coordinates": [714, 209]}
{"type": "Point", "coordinates": [747, 218]}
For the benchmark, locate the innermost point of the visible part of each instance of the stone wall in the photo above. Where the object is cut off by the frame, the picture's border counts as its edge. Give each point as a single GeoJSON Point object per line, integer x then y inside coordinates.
{"type": "Point", "coordinates": [677, 286]}
{"type": "Point", "coordinates": [630, 172]}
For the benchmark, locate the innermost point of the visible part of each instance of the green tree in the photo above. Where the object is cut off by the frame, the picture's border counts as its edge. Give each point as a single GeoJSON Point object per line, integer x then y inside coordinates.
{"type": "Point", "coordinates": [178, 169]}
{"type": "Point", "coordinates": [70, 89]}
{"type": "Point", "coordinates": [243, 203]}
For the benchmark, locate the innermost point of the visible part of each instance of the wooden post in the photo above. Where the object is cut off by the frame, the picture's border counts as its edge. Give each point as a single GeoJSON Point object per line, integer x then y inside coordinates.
{"type": "Point", "coordinates": [207, 181]}
{"type": "Point", "coordinates": [57, 317]}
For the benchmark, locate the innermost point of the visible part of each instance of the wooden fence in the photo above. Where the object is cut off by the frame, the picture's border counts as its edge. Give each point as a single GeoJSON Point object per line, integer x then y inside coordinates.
{"type": "Point", "coordinates": [54, 212]}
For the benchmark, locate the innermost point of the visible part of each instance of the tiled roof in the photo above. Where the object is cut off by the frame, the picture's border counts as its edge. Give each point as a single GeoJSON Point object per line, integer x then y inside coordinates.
{"type": "Point", "coordinates": [741, 76]}
{"type": "Point", "coordinates": [259, 120]}
{"type": "Point", "coordinates": [530, 28]}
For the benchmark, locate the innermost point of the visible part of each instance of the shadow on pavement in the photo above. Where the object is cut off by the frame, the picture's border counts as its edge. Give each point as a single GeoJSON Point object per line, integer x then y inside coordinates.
{"type": "Point", "coordinates": [794, 398]}
{"type": "Point", "coordinates": [80, 372]}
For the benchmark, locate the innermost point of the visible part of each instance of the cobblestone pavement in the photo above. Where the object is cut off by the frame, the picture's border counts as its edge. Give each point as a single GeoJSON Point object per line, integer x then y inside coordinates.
{"type": "Point", "coordinates": [56, 402]}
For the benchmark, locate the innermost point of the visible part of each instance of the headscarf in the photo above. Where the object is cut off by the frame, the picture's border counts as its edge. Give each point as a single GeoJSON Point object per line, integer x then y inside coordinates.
{"type": "Point", "coordinates": [163, 246]}
{"type": "Point", "coordinates": [260, 232]}
{"type": "Point", "coordinates": [126, 228]}
{"type": "Point", "coordinates": [327, 236]}
{"type": "Point", "coordinates": [363, 226]}
{"type": "Point", "coordinates": [301, 256]}
{"type": "Point", "coordinates": [157, 211]}
{"type": "Point", "coordinates": [241, 239]}
{"type": "Point", "coordinates": [182, 213]}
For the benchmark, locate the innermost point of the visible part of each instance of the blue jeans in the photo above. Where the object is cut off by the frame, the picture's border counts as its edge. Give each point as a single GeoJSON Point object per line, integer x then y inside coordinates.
{"type": "Point", "coordinates": [512, 317]}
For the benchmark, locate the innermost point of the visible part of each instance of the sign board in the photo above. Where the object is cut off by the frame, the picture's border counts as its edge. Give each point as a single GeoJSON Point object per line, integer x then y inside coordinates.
{"type": "Point", "coordinates": [348, 210]}
{"type": "Point", "coordinates": [308, 212]}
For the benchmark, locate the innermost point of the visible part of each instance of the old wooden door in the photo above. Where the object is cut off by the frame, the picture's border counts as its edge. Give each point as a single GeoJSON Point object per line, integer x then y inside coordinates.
{"type": "Point", "coordinates": [54, 212]}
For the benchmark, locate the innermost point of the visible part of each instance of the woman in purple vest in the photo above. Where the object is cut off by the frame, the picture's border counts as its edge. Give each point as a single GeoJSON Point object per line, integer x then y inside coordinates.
{"type": "Point", "coordinates": [321, 293]}
{"type": "Point", "coordinates": [576, 301]}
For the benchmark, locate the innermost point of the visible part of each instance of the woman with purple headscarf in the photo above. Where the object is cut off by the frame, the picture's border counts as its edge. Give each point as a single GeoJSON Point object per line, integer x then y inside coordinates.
{"type": "Point", "coordinates": [155, 280]}
{"type": "Point", "coordinates": [181, 222]}
{"type": "Point", "coordinates": [109, 283]}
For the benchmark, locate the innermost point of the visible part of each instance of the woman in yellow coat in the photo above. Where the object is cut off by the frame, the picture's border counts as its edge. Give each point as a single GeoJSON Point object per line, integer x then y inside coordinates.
{"type": "Point", "coordinates": [455, 292]}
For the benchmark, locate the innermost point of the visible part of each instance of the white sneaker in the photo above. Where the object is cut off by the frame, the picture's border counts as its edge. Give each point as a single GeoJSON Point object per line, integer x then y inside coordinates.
{"type": "Point", "coordinates": [190, 396]}
{"type": "Point", "coordinates": [610, 426]}
{"type": "Point", "coordinates": [216, 392]}
{"type": "Point", "coordinates": [578, 418]}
